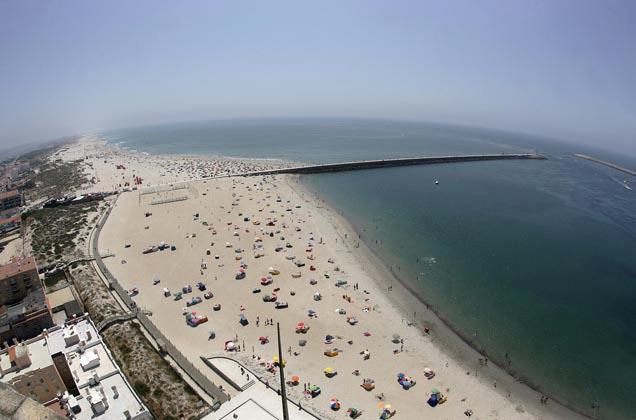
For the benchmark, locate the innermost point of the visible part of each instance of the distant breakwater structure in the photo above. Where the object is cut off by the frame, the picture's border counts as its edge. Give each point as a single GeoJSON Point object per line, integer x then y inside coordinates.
{"type": "Point", "coordinates": [603, 162]}
{"type": "Point", "coordinates": [385, 163]}
{"type": "Point", "coordinates": [349, 166]}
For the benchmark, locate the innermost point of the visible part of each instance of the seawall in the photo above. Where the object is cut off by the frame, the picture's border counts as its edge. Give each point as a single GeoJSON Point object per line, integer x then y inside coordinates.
{"type": "Point", "coordinates": [384, 163]}
{"type": "Point", "coordinates": [603, 162]}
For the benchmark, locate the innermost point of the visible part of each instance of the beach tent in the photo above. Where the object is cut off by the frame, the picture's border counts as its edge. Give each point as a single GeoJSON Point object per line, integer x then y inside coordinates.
{"type": "Point", "coordinates": [368, 384]}
{"type": "Point", "coordinates": [387, 412]}
{"type": "Point", "coordinates": [331, 353]}
{"type": "Point", "coordinates": [435, 398]}
{"type": "Point", "coordinates": [354, 412]}
{"type": "Point", "coordinates": [314, 390]}
{"type": "Point", "coordinates": [334, 404]}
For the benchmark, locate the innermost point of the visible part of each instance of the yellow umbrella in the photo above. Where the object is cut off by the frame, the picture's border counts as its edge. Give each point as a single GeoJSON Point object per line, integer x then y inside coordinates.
{"type": "Point", "coordinates": [328, 370]}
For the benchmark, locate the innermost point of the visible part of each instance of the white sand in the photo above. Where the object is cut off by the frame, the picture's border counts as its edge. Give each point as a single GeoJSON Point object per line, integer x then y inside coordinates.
{"type": "Point", "coordinates": [219, 203]}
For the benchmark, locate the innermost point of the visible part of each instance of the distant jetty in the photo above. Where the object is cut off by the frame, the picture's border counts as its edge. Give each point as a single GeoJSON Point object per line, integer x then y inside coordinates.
{"type": "Point", "coordinates": [383, 163]}
{"type": "Point", "coordinates": [603, 162]}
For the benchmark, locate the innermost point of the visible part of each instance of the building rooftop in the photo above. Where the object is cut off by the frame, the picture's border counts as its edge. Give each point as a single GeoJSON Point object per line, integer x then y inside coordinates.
{"type": "Point", "coordinates": [68, 338]}
{"type": "Point", "coordinates": [60, 297]}
{"type": "Point", "coordinates": [16, 406]}
{"type": "Point", "coordinates": [12, 219]}
{"type": "Point", "coordinates": [118, 396]}
{"type": "Point", "coordinates": [94, 371]}
{"type": "Point", "coordinates": [17, 266]}
{"type": "Point", "coordinates": [35, 300]}
{"type": "Point", "coordinates": [93, 361]}
{"type": "Point", "coordinates": [9, 194]}
{"type": "Point", "coordinates": [38, 354]}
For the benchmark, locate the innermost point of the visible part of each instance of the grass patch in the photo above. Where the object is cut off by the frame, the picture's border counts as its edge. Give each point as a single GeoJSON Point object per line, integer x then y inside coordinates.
{"type": "Point", "coordinates": [54, 279]}
{"type": "Point", "coordinates": [55, 230]}
{"type": "Point", "coordinates": [141, 388]}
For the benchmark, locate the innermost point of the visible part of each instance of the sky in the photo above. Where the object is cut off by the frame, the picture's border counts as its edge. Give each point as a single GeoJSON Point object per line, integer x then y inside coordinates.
{"type": "Point", "coordinates": [559, 68]}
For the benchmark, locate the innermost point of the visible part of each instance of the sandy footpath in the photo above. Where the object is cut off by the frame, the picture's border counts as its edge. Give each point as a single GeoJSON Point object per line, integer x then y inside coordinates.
{"type": "Point", "coordinates": [256, 216]}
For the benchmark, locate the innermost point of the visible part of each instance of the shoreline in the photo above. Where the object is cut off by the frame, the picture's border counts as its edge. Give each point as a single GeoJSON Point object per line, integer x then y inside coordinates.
{"type": "Point", "coordinates": [445, 335]}
{"type": "Point", "coordinates": [406, 299]}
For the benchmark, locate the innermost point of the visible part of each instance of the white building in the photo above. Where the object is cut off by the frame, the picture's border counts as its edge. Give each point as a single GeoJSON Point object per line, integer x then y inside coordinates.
{"type": "Point", "coordinates": [79, 357]}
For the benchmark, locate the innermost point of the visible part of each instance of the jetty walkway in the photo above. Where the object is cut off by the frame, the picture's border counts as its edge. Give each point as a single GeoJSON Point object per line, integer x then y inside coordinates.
{"type": "Point", "coordinates": [346, 166]}
{"type": "Point", "coordinates": [385, 163]}
{"type": "Point", "coordinates": [603, 162]}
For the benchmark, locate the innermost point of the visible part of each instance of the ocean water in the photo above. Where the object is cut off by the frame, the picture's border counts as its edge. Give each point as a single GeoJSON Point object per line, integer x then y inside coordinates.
{"type": "Point", "coordinates": [533, 259]}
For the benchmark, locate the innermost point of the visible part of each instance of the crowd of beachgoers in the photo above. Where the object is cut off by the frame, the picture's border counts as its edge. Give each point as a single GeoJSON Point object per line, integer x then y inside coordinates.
{"type": "Point", "coordinates": [220, 262]}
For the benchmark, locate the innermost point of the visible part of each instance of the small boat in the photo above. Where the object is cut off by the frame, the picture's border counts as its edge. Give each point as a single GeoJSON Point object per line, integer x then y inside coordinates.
{"type": "Point", "coordinates": [436, 182]}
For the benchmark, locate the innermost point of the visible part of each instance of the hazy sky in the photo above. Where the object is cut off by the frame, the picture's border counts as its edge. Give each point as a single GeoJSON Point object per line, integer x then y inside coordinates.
{"type": "Point", "coordinates": [560, 68]}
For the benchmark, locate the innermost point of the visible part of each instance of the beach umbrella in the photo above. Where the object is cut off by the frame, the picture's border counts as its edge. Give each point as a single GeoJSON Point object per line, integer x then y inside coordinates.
{"type": "Point", "coordinates": [401, 376]}
{"type": "Point", "coordinates": [380, 405]}
{"type": "Point", "coordinates": [427, 370]}
{"type": "Point", "coordinates": [295, 378]}
{"type": "Point", "coordinates": [328, 370]}
{"type": "Point", "coordinates": [396, 338]}
{"type": "Point", "coordinates": [302, 343]}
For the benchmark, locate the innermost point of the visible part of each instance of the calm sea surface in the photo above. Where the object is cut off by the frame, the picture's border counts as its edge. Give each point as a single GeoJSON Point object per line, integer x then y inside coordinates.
{"type": "Point", "coordinates": [536, 259]}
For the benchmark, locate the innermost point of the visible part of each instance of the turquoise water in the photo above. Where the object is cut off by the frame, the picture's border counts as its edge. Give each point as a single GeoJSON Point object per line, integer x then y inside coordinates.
{"type": "Point", "coordinates": [536, 259]}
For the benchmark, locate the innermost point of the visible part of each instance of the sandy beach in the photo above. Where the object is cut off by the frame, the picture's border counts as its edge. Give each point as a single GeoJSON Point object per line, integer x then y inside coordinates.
{"type": "Point", "coordinates": [293, 246]}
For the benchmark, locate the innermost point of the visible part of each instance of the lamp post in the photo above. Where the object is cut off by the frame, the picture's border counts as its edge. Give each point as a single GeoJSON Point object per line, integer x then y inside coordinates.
{"type": "Point", "coordinates": [283, 395]}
